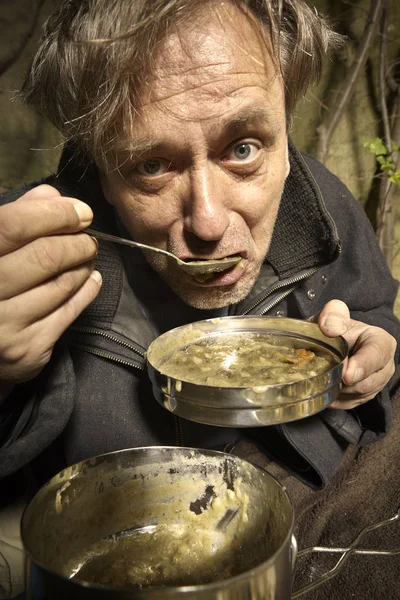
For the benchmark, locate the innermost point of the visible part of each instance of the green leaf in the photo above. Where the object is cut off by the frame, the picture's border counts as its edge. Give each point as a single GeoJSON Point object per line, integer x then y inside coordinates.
{"type": "Point", "coordinates": [395, 178]}
{"type": "Point", "coordinates": [382, 160]}
{"type": "Point", "coordinates": [376, 146]}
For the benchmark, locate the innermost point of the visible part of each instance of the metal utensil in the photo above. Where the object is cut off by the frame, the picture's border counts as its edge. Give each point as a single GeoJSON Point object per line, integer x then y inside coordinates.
{"type": "Point", "coordinates": [196, 267]}
{"type": "Point", "coordinates": [346, 554]}
{"type": "Point", "coordinates": [221, 527]}
{"type": "Point", "coordinates": [246, 406]}
{"type": "Point", "coordinates": [227, 519]}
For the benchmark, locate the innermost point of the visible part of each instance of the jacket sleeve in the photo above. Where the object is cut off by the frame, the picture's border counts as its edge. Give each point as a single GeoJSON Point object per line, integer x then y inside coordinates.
{"type": "Point", "coordinates": [30, 418]}
{"type": "Point", "coordinates": [36, 413]}
{"type": "Point", "coordinates": [18, 402]}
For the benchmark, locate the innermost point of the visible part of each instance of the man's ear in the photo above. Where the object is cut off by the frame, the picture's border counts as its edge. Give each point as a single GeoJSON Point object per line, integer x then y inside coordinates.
{"type": "Point", "coordinates": [287, 171]}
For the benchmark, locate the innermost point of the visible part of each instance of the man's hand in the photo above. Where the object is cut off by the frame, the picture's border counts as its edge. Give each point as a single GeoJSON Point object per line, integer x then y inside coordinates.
{"type": "Point", "coordinates": [371, 361]}
{"type": "Point", "coordinates": [46, 277]}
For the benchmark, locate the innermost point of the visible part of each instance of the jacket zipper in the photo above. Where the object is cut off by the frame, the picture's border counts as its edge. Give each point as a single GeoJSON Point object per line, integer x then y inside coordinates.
{"type": "Point", "coordinates": [284, 284]}
{"type": "Point", "coordinates": [108, 356]}
{"type": "Point", "coordinates": [93, 331]}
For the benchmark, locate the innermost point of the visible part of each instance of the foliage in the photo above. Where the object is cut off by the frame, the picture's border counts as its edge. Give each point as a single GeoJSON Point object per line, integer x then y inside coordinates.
{"type": "Point", "coordinates": [386, 158]}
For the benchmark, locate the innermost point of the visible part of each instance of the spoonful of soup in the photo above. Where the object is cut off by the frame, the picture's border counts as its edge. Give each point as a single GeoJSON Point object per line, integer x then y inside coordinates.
{"type": "Point", "coordinates": [200, 269]}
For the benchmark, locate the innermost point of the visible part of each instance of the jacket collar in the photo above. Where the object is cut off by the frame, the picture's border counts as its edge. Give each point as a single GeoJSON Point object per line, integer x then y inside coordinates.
{"type": "Point", "coordinates": [305, 235]}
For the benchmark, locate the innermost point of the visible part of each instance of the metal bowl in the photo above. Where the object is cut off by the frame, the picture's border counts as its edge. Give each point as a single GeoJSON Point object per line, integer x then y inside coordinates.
{"type": "Point", "coordinates": [246, 406]}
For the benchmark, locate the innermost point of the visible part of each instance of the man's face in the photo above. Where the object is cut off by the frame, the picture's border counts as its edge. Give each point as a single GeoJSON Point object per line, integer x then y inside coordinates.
{"type": "Point", "coordinates": [202, 172]}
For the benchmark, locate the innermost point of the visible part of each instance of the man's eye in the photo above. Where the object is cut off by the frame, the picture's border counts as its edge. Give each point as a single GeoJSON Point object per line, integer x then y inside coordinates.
{"type": "Point", "coordinates": [153, 167]}
{"type": "Point", "coordinates": [243, 151]}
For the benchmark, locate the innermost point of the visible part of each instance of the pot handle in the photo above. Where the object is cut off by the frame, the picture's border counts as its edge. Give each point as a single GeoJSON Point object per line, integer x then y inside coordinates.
{"type": "Point", "coordinates": [346, 553]}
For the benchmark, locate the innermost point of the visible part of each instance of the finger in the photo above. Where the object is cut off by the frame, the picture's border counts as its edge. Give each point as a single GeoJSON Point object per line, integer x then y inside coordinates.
{"type": "Point", "coordinates": [30, 350]}
{"type": "Point", "coordinates": [365, 390]}
{"type": "Point", "coordinates": [348, 404]}
{"type": "Point", "coordinates": [369, 387]}
{"type": "Point", "coordinates": [26, 308]}
{"type": "Point", "coordinates": [40, 212]}
{"type": "Point", "coordinates": [61, 318]}
{"type": "Point", "coordinates": [334, 318]}
{"type": "Point", "coordinates": [372, 352]}
{"type": "Point", "coordinates": [348, 401]}
{"type": "Point", "coordinates": [43, 259]}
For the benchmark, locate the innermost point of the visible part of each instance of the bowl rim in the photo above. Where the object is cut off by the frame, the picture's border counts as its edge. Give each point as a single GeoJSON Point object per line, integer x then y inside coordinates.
{"type": "Point", "coordinates": [341, 356]}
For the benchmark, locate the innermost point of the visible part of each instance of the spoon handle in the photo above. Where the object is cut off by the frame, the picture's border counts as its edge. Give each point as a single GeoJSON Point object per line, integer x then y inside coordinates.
{"type": "Point", "coordinates": [107, 237]}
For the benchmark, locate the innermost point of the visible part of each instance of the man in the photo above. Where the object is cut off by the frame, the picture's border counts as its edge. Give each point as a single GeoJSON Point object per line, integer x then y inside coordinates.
{"type": "Point", "coordinates": [176, 116]}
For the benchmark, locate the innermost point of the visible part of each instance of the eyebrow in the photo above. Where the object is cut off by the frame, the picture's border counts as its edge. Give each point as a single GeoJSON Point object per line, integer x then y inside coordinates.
{"type": "Point", "coordinates": [251, 115]}
{"type": "Point", "coordinates": [247, 116]}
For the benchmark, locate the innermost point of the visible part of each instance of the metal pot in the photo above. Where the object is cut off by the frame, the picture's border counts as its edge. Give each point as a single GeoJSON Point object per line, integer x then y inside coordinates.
{"type": "Point", "coordinates": [246, 406]}
{"type": "Point", "coordinates": [113, 495]}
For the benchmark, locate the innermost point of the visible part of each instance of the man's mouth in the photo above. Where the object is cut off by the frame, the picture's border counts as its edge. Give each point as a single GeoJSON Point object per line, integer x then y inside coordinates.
{"type": "Point", "coordinates": [201, 277]}
{"type": "Point", "coordinates": [227, 276]}
{"type": "Point", "coordinates": [208, 265]}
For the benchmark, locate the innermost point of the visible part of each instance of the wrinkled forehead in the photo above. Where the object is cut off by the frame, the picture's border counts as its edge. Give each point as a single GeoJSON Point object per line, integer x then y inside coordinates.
{"type": "Point", "coordinates": [221, 51]}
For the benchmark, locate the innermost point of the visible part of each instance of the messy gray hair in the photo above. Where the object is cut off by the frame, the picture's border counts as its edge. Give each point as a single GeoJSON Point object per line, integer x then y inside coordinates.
{"type": "Point", "coordinates": [90, 68]}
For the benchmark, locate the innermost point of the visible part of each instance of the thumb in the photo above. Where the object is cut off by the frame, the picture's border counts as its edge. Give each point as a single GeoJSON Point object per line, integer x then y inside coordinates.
{"type": "Point", "coordinates": [334, 318]}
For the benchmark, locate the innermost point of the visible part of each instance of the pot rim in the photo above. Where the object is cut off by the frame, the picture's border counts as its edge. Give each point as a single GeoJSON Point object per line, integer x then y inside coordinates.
{"type": "Point", "coordinates": [168, 591]}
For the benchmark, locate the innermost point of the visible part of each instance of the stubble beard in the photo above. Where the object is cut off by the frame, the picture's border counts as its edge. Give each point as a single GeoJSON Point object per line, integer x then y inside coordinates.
{"type": "Point", "coordinates": [204, 298]}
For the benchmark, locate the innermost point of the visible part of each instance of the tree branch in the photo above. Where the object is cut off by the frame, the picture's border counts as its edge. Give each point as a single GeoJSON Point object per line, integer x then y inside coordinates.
{"type": "Point", "coordinates": [382, 77]}
{"type": "Point", "coordinates": [326, 130]}
{"type": "Point", "coordinates": [385, 225]}
{"type": "Point", "coordinates": [385, 220]}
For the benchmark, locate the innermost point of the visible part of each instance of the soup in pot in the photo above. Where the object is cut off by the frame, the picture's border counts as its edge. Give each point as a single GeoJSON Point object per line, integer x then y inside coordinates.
{"type": "Point", "coordinates": [247, 359]}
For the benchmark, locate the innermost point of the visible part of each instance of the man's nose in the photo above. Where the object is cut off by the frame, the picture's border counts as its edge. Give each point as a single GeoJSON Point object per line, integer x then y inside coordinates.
{"type": "Point", "coordinates": [206, 213]}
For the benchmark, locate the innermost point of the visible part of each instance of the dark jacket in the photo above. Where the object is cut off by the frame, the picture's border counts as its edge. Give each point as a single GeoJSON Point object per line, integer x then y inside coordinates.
{"type": "Point", "coordinates": [95, 396]}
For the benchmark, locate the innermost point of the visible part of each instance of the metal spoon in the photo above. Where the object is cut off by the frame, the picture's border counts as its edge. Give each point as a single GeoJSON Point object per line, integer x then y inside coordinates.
{"type": "Point", "coordinates": [195, 267]}
{"type": "Point", "coordinates": [227, 518]}
{"type": "Point", "coordinates": [221, 526]}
